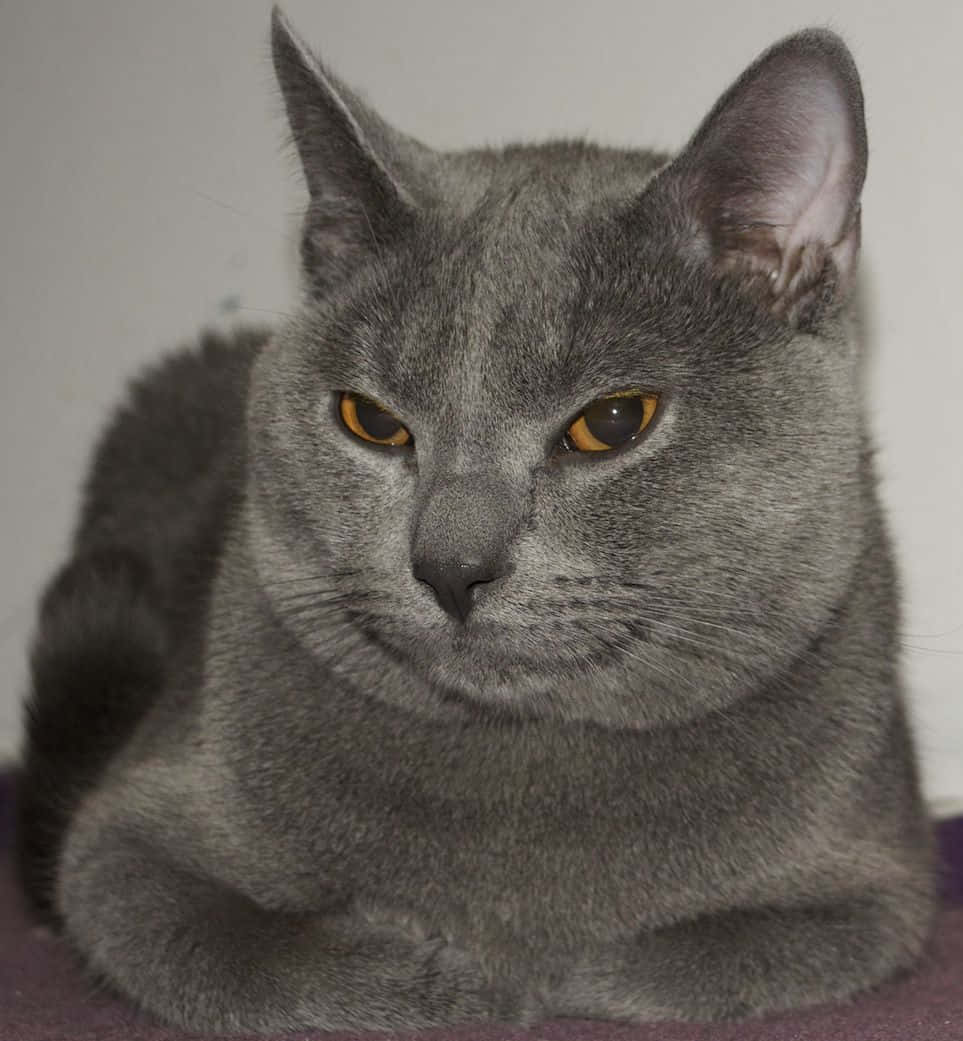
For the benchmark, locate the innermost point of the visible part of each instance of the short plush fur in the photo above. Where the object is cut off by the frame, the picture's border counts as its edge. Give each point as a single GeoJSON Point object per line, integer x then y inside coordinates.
{"type": "Point", "coordinates": [657, 763]}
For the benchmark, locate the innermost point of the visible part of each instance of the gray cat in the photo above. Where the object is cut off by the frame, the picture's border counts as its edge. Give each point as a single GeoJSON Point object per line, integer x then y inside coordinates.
{"type": "Point", "coordinates": [513, 634]}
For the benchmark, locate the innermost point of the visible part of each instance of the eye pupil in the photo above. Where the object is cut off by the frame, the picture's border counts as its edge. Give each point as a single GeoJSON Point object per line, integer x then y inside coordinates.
{"type": "Point", "coordinates": [376, 421]}
{"type": "Point", "coordinates": [615, 420]}
{"type": "Point", "coordinates": [372, 422]}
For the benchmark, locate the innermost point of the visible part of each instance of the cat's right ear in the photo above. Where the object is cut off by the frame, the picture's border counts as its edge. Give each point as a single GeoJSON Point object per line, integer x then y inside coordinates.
{"type": "Point", "coordinates": [769, 186]}
{"type": "Point", "coordinates": [363, 177]}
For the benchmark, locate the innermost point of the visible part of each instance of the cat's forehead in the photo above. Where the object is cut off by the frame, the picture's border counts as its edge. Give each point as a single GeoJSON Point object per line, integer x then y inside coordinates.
{"type": "Point", "coordinates": [479, 305]}
{"type": "Point", "coordinates": [574, 174]}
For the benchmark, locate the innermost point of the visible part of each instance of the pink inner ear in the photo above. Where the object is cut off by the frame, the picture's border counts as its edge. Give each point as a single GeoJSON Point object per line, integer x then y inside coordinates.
{"type": "Point", "coordinates": [774, 173]}
{"type": "Point", "coordinates": [817, 206]}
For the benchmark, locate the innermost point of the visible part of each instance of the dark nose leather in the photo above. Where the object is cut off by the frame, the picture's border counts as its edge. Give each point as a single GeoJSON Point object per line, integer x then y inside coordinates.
{"type": "Point", "coordinates": [452, 583]}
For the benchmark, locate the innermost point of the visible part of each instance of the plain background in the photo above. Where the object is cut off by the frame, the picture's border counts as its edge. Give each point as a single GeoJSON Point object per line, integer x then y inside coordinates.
{"type": "Point", "coordinates": [145, 192]}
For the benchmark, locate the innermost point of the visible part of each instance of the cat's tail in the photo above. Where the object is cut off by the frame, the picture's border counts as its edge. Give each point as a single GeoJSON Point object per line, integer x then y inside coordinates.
{"type": "Point", "coordinates": [97, 665]}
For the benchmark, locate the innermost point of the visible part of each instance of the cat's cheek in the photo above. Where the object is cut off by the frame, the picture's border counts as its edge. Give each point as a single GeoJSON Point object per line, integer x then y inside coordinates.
{"type": "Point", "coordinates": [377, 527]}
{"type": "Point", "coordinates": [590, 516]}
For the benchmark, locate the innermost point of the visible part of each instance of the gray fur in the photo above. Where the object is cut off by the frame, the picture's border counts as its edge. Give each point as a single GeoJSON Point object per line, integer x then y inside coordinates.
{"type": "Point", "coordinates": [663, 770]}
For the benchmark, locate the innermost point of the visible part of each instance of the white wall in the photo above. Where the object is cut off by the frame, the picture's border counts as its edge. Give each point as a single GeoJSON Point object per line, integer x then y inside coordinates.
{"type": "Point", "coordinates": [143, 193]}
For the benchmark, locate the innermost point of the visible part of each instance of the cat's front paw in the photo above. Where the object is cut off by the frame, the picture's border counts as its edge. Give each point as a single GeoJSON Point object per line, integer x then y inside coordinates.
{"type": "Point", "coordinates": [455, 982]}
{"type": "Point", "coordinates": [397, 924]}
{"type": "Point", "coordinates": [440, 977]}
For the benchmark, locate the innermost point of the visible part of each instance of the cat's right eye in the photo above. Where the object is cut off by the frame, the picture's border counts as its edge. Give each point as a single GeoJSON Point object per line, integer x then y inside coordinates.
{"type": "Point", "coordinates": [372, 422]}
{"type": "Point", "coordinates": [611, 422]}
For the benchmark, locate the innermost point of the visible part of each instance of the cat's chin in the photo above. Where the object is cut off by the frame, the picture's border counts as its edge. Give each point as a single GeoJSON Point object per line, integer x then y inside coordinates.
{"type": "Point", "coordinates": [486, 664]}
{"type": "Point", "coordinates": [488, 669]}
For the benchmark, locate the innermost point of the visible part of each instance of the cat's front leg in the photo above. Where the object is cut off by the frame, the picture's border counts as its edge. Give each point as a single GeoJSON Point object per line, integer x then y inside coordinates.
{"type": "Point", "coordinates": [744, 963]}
{"type": "Point", "coordinates": [205, 957]}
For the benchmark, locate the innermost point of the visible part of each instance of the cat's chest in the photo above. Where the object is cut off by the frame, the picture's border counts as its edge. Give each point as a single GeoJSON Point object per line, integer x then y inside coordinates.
{"type": "Point", "coordinates": [552, 845]}
{"type": "Point", "coordinates": [539, 868]}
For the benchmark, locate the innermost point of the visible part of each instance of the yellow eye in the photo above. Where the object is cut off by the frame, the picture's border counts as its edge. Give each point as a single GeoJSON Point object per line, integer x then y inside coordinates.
{"type": "Point", "coordinates": [372, 422]}
{"type": "Point", "coordinates": [612, 421]}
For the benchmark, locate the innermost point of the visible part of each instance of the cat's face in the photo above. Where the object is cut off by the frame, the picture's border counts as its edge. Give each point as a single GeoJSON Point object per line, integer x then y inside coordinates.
{"type": "Point", "coordinates": [627, 586]}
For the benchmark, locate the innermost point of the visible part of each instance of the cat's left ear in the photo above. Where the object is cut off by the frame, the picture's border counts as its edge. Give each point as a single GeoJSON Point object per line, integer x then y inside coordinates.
{"type": "Point", "coordinates": [770, 182]}
{"type": "Point", "coordinates": [365, 179]}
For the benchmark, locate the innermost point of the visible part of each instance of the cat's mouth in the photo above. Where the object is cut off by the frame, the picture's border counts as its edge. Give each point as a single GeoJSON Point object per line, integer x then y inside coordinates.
{"type": "Point", "coordinates": [489, 661]}
{"type": "Point", "coordinates": [481, 646]}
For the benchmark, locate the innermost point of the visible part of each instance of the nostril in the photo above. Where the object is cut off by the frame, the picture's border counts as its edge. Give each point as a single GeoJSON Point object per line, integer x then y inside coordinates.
{"type": "Point", "coordinates": [452, 582]}
{"type": "Point", "coordinates": [474, 574]}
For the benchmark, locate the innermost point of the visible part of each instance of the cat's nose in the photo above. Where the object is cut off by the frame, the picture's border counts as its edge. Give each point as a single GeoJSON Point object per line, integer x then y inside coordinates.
{"type": "Point", "coordinates": [452, 583]}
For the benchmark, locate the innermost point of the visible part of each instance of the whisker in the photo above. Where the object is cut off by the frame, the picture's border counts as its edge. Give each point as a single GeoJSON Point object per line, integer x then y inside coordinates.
{"type": "Point", "coordinates": [273, 225]}
{"type": "Point", "coordinates": [633, 654]}
{"type": "Point", "coordinates": [265, 310]}
{"type": "Point", "coordinates": [611, 587]}
{"type": "Point", "coordinates": [672, 612]}
{"type": "Point", "coordinates": [687, 616]}
{"type": "Point", "coordinates": [313, 577]}
{"type": "Point", "coordinates": [935, 636]}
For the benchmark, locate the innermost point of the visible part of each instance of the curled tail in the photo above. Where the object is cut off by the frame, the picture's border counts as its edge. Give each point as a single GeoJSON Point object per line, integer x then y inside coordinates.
{"type": "Point", "coordinates": [97, 665]}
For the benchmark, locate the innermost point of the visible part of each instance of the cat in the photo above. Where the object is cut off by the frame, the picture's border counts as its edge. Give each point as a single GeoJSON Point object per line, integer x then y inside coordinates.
{"type": "Point", "coordinates": [511, 634]}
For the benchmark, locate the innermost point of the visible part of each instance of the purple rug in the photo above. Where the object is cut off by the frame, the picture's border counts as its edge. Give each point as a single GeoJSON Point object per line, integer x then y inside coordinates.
{"type": "Point", "coordinates": [44, 996]}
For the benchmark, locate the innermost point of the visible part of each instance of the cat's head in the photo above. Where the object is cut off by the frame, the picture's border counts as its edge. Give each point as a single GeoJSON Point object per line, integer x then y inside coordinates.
{"type": "Point", "coordinates": [563, 430]}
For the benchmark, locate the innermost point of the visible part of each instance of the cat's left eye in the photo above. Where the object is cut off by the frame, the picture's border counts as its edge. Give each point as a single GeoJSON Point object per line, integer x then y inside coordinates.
{"type": "Point", "coordinates": [372, 422]}
{"type": "Point", "coordinates": [610, 422]}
